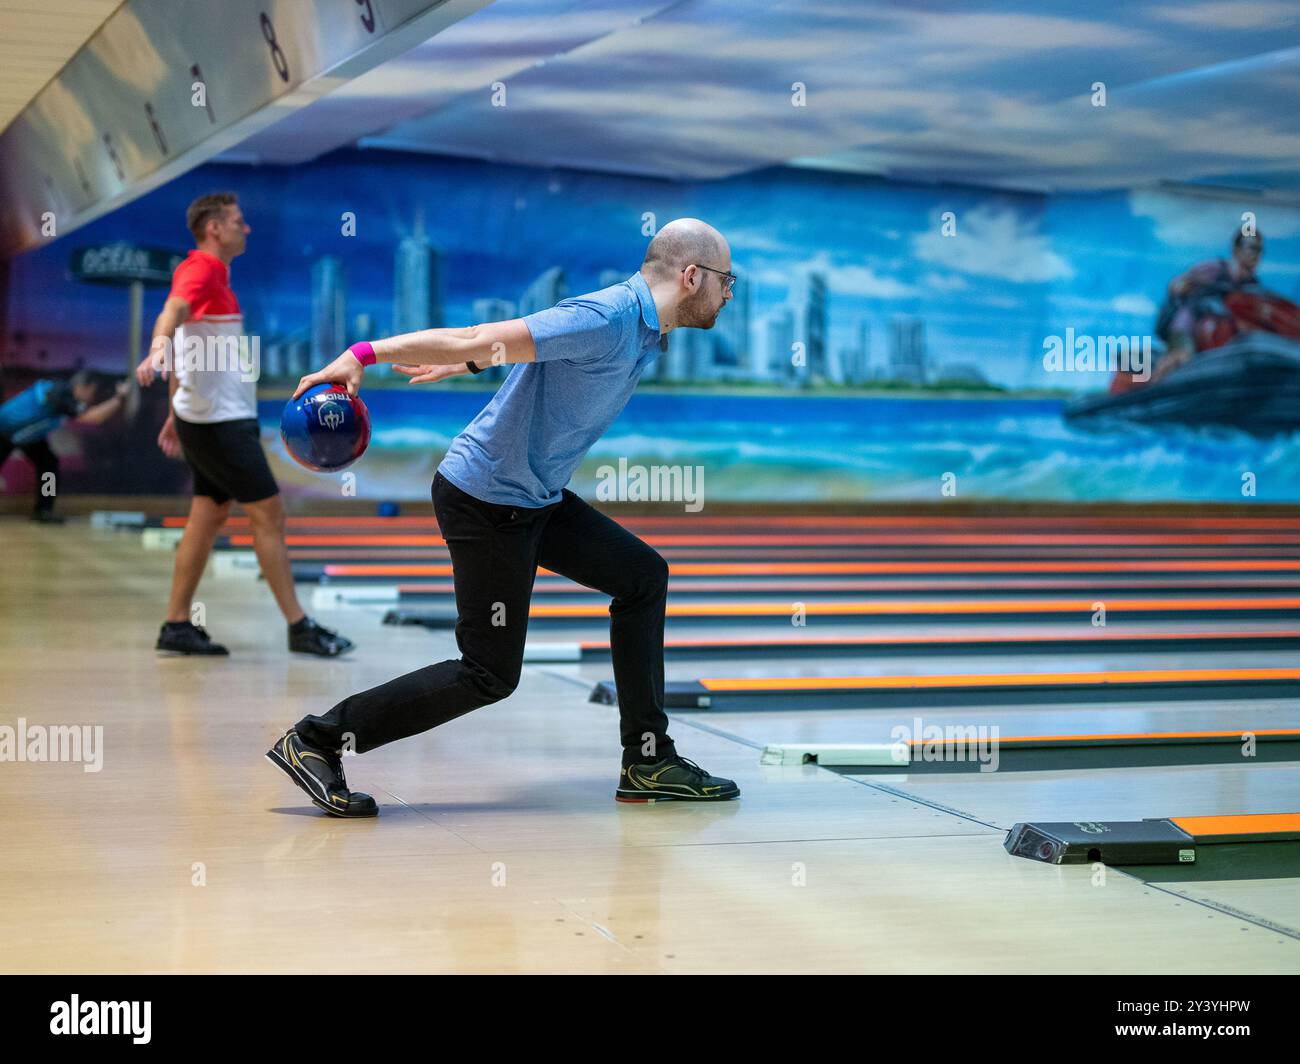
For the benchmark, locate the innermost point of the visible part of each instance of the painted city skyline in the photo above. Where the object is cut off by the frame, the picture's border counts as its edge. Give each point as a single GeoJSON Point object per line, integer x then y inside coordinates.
{"type": "Point", "coordinates": [845, 280]}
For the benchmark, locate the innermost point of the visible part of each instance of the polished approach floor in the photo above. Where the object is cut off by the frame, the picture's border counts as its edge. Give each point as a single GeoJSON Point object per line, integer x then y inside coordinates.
{"type": "Point", "coordinates": [499, 847]}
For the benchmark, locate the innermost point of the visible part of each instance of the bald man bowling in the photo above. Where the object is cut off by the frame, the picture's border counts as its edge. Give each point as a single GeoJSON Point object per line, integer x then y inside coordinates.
{"type": "Point", "coordinates": [503, 510]}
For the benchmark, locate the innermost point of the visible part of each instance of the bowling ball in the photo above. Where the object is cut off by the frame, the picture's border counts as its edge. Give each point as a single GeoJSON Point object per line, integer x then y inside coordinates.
{"type": "Point", "coordinates": [325, 429]}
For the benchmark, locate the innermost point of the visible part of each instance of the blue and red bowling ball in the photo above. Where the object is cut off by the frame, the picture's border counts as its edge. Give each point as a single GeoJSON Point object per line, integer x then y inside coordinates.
{"type": "Point", "coordinates": [325, 429]}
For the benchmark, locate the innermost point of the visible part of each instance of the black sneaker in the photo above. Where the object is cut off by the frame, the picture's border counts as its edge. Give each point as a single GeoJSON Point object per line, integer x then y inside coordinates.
{"type": "Point", "coordinates": [308, 637]}
{"type": "Point", "coordinates": [181, 637]}
{"type": "Point", "coordinates": [674, 779]}
{"type": "Point", "coordinates": [320, 774]}
{"type": "Point", "coordinates": [45, 517]}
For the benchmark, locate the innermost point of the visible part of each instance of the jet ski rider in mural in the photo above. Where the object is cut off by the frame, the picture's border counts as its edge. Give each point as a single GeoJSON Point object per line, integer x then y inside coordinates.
{"type": "Point", "coordinates": [1194, 316]}
{"type": "Point", "coordinates": [1231, 358]}
{"type": "Point", "coordinates": [1213, 304]}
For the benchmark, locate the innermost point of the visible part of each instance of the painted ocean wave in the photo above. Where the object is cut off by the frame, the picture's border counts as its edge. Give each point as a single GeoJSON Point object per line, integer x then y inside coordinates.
{"type": "Point", "coordinates": [802, 449]}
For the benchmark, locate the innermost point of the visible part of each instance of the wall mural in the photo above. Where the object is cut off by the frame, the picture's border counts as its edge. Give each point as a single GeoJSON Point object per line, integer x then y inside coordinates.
{"type": "Point", "coordinates": [886, 341]}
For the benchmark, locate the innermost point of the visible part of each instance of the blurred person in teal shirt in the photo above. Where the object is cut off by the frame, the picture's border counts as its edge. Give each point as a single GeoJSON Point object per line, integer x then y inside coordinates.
{"type": "Point", "coordinates": [28, 418]}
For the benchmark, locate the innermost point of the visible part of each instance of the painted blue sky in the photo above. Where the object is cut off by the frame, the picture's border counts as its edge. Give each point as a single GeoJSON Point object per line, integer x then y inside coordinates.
{"type": "Point", "coordinates": [992, 92]}
{"type": "Point", "coordinates": [1020, 266]}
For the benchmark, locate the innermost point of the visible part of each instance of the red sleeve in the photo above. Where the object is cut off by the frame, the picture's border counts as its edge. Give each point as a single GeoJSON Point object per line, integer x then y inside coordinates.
{"type": "Point", "coordinates": [193, 281]}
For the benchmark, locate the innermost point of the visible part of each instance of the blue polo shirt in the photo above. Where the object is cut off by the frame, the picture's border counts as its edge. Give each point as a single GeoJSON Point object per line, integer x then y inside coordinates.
{"type": "Point", "coordinates": [525, 445]}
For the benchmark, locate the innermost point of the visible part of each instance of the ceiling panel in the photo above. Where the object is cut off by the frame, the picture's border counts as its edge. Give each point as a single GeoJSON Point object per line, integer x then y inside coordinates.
{"type": "Point", "coordinates": [36, 39]}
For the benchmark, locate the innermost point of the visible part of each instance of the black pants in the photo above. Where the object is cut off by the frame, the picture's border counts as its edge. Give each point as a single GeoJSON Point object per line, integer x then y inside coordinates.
{"type": "Point", "coordinates": [495, 551]}
{"type": "Point", "coordinates": [45, 461]}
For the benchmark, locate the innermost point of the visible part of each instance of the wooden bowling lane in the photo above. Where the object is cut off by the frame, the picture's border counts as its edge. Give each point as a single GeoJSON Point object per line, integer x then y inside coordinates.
{"type": "Point", "coordinates": [1281, 608]}
{"type": "Point", "coordinates": [825, 590]}
{"type": "Point", "coordinates": [870, 692]}
{"type": "Point", "coordinates": [367, 583]}
{"type": "Point", "coordinates": [936, 652]}
{"type": "Point", "coordinates": [1268, 902]}
{"type": "Point", "coordinates": [967, 751]}
{"type": "Point", "coordinates": [811, 646]}
{"type": "Point", "coordinates": [413, 576]}
{"type": "Point", "coordinates": [804, 532]}
{"type": "Point", "coordinates": [316, 557]}
{"type": "Point", "coordinates": [1071, 522]}
{"type": "Point", "coordinates": [499, 847]}
{"type": "Point", "coordinates": [940, 664]}
{"type": "Point", "coordinates": [971, 741]}
{"type": "Point", "coordinates": [700, 537]}
{"type": "Point", "coordinates": [953, 570]}
{"type": "Point", "coordinates": [835, 539]}
{"type": "Point", "coordinates": [1137, 716]}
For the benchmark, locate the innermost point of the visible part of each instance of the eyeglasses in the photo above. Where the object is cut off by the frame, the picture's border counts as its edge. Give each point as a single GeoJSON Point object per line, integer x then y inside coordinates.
{"type": "Point", "coordinates": [728, 279]}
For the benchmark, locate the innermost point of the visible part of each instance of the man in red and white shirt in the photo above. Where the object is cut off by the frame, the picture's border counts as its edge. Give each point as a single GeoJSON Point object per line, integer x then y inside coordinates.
{"type": "Point", "coordinates": [213, 424]}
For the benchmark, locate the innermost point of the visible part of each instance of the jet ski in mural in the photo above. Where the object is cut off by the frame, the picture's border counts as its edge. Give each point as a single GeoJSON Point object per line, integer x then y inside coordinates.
{"type": "Point", "coordinates": [1232, 356]}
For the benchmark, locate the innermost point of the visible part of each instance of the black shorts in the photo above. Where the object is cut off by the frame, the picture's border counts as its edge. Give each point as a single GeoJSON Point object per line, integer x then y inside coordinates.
{"type": "Point", "coordinates": [227, 460]}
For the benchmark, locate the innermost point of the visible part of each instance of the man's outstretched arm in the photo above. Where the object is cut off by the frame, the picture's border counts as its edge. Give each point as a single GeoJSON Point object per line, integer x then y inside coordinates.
{"type": "Point", "coordinates": [495, 343]}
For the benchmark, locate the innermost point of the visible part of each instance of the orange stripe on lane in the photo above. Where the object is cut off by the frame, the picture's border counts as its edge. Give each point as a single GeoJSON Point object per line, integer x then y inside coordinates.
{"type": "Point", "coordinates": [1243, 824]}
{"type": "Point", "coordinates": [1119, 637]}
{"type": "Point", "coordinates": [380, 569]}
{"type": "Point", "coordinates": [1010, 605]}
{"type": "Point", "coordinates": [831, 521]}
{"type": "Point", "coordinates": [889, 640]}
{"type": "Point", "coordinates": [834, 539]}
{"type": "Point", "coordinates": [888, 554]}
{"type": "Point", "coordinates": [969, 539]}
{"type": "Point", "coordinates": [931, 587]}
{"type": "Point", "coordinates": [991, 566]}
{"type": "Point", "coordinates": [825, 683]}
{"type": "Point", "coordinates": [428, 523]}
{"type": "Point", "coordinates": [293, 540]}
{"type": "Point", "coordinates": [384, 555]}
{"type": "Point", "coordinates": [831, 609]}
{"type": "Point", "coordinates": [872, 568]}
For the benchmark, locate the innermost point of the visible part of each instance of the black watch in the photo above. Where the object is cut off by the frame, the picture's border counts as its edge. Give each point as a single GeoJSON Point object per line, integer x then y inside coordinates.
{"type": "Point", "coordinates": [473, 368]}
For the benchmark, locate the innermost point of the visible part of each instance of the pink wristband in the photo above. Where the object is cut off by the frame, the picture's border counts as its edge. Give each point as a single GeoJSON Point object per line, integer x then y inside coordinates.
{"type": "Point", "coordinates": [363, 352]}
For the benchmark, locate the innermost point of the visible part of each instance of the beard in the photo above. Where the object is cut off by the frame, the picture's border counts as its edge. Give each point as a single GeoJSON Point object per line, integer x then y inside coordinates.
{"type": "Point", "coordinates": [698, 312]}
